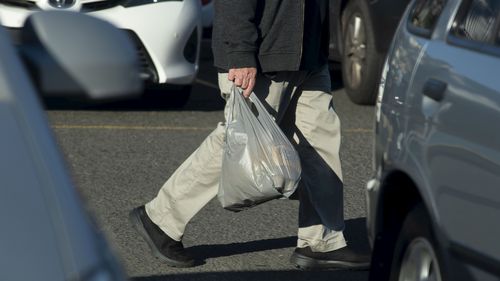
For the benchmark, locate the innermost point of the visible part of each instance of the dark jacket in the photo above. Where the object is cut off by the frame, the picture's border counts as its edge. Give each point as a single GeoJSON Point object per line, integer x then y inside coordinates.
{"type": "Point", "coordinates": [267, 34]}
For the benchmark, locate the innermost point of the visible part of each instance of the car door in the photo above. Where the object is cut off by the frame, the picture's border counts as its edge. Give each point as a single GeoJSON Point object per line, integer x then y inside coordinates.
{"type": "Point", "coordinates": [457, 96]}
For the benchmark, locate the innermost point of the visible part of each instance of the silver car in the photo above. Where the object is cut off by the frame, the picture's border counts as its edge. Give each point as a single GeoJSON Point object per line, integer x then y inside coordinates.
{"type": "Point", "coordinates": [434, 202]}
{"type": "Point", "coordinates": [46, 233]}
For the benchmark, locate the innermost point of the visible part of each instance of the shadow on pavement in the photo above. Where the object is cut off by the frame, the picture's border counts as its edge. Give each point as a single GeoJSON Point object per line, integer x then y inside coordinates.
{"type": "Point", "coordinates": [355, 234]}
{"type": "Point", "coordinates": [223, 250]}
{"type": "Point", "coordinates": [290, 275]}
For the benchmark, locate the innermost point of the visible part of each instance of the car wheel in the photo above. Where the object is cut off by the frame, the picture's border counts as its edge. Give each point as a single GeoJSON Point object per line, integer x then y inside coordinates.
{"type": "Point", "coordinates": [360, 60]}
{"type": "Point", "coordinates": [169, 95]}
{"type": "Point", "coordinates": [415, 254]}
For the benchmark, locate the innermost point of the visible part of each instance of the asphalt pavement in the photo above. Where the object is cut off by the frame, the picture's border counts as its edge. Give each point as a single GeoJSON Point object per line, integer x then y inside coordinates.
{"type": "Point", "coordinates": [120, 154]}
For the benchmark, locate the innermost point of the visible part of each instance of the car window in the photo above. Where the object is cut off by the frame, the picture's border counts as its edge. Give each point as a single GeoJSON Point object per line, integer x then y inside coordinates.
{"type": "Point", "coordinates": [477, 20]}
{"type": "Point", "coordinates": [424, 15]}
{"type": "Point", "coordinates": [477, 26]}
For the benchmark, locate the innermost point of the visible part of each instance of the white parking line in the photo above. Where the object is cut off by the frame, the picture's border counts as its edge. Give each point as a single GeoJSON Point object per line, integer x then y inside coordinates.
{"type": "Point", "coordinates": [128, 127]}
{"type": "Point", "coordinates": [167, 128]}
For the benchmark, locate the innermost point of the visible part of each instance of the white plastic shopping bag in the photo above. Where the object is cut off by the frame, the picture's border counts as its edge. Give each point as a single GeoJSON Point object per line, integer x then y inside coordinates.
{"type": "Point", "coordinates": [259, 163]}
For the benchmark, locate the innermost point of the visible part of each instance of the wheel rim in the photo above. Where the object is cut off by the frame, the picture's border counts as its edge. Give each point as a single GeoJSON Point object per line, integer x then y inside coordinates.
{"type": "Point", "coordinates": [355, 51]}
{"type": "Point", "coordinates": [420, 262]}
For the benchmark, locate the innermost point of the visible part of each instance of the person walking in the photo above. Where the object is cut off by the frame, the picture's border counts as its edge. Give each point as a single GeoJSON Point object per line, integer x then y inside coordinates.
{"type": "Point", "coordinates": [279, 50]}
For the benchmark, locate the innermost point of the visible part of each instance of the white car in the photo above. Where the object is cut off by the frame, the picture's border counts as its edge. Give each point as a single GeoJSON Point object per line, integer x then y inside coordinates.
{"type": "Point", "coordinates": [167, 33]}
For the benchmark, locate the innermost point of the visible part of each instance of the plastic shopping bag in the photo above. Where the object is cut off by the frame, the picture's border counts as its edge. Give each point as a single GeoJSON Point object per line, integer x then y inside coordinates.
{"type": "Point", "coordinates": [259, 163]}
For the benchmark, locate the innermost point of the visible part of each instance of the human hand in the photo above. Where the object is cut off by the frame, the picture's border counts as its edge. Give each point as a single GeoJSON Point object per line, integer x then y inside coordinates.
{"type": "Point", "coordinates": [243, 78]}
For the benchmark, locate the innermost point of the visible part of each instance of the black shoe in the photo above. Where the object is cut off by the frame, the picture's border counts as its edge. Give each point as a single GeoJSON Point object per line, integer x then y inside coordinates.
{"type": "Point", "coordinates": [163, 247]}
{"type": "Point", "coordinates": [343, 258]}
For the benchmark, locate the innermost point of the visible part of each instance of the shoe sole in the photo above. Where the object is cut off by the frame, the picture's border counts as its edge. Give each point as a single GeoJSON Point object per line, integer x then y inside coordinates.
{"type": "Point", "coordinates": [307, 263]}
{"type": "Point", "coordinates": [136, 222]}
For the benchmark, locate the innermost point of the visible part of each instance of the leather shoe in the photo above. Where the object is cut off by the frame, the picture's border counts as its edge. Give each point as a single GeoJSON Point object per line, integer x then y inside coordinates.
{"type": "Point", "coordinates": [343, 258]}
{"type": "Point", "coordinates": [165, 248]}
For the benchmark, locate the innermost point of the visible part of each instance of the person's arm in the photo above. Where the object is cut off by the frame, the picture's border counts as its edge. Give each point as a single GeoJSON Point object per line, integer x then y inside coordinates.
{"type": "Point", "coordinates": [241, 35]}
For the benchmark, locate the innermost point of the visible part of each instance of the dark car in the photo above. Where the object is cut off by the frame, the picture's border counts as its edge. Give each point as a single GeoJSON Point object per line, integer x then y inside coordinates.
{"type": "Point", "coordinates": [362, 32]}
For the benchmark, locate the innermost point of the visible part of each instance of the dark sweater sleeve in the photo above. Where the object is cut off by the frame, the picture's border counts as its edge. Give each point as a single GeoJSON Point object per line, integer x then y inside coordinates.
{"type": "Point", "coordinates": [239, 29]}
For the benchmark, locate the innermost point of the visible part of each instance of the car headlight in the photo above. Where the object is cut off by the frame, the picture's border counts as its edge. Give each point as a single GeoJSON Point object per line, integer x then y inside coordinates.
{"type": "Point", "coordinates": [133, 3]}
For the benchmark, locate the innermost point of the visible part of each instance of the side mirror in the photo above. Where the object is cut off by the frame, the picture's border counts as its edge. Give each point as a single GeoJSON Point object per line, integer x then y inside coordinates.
{"type": "Point", "coordinates": [77, 56]}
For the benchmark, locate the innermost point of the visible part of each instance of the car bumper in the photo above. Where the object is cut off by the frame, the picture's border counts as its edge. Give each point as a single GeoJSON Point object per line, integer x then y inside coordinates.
{"type": "Point", "coordinates": [171, 43]}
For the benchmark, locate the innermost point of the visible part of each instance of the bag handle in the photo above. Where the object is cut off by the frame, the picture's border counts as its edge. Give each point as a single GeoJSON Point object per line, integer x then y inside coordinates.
{"type": "Point", "coordinates": [231, 101]}
{"type": "Point", "coordinates": [264, 117]}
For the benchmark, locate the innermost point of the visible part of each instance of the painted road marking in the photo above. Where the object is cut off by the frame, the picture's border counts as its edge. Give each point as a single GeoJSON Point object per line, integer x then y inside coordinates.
{"type": "Point", "coordinates": [129, 127]}
{"type": "Point", "coordinates": [165, 128]}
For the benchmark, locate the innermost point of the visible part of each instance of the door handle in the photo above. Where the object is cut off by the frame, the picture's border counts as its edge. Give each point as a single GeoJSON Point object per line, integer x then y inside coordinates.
{"type": "Point", "coordinates": [435, 89]}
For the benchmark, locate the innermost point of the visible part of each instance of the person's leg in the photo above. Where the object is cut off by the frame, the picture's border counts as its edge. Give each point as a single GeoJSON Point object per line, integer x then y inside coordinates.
{"type": "Point", "coordinates": [193, 184]}
{"type": "Point", "coordinates": [189, 188]}
{"type": "Point", "coordinates": [302, 105]}
{"type": "Point", "coordinates": [321, 213]}
{"type": "Point", "coordinates": [321, 210]}
{"type": "Point", "coordinates": [196, 181]}
{"type": "Point", "coordinates": [162, 221]}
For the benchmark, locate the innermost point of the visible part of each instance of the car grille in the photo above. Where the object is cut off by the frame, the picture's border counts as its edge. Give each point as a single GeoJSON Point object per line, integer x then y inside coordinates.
{"type": "Point", "coordinates": [20, 3]}
{"type": "Point", "coordinates": [148, 70]}
{"type": "Point", "coordinates": [100, 5]}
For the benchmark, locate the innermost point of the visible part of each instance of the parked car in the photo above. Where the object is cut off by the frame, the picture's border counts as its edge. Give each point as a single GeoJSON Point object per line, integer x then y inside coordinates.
{"type": "Point", "coordinates": [361, 33]}
{"type": "Point", "coordinates": [166, 33]}
{"type": "Point", "coordinates": [46, 233]}
{"type": "Point", "coordinates": [434, 202]}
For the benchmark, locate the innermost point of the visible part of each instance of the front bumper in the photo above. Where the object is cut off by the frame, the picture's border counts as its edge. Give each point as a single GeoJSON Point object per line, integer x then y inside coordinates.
{"type": "Point", "coordinates": [166, 36]}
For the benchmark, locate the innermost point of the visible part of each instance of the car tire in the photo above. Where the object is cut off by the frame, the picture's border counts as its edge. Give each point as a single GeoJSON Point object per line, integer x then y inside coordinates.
{"type": "Point", "coordinates": [416, 250]}
{"type": "Point", "coordinates": [361, 62]}
{"type": "Point", "coordinates": [171, 96]}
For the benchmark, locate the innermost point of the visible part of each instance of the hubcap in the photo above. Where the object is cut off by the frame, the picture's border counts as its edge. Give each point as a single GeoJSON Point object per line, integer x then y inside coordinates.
{"type": "Point", "coordinates": [420, 262]}
{"type": "Point", "coordinates": [355, 51]}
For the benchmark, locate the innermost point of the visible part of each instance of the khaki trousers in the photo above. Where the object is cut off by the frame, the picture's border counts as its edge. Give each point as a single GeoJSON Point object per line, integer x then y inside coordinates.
{"type": "Point", "coordinates": [301, 103]}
